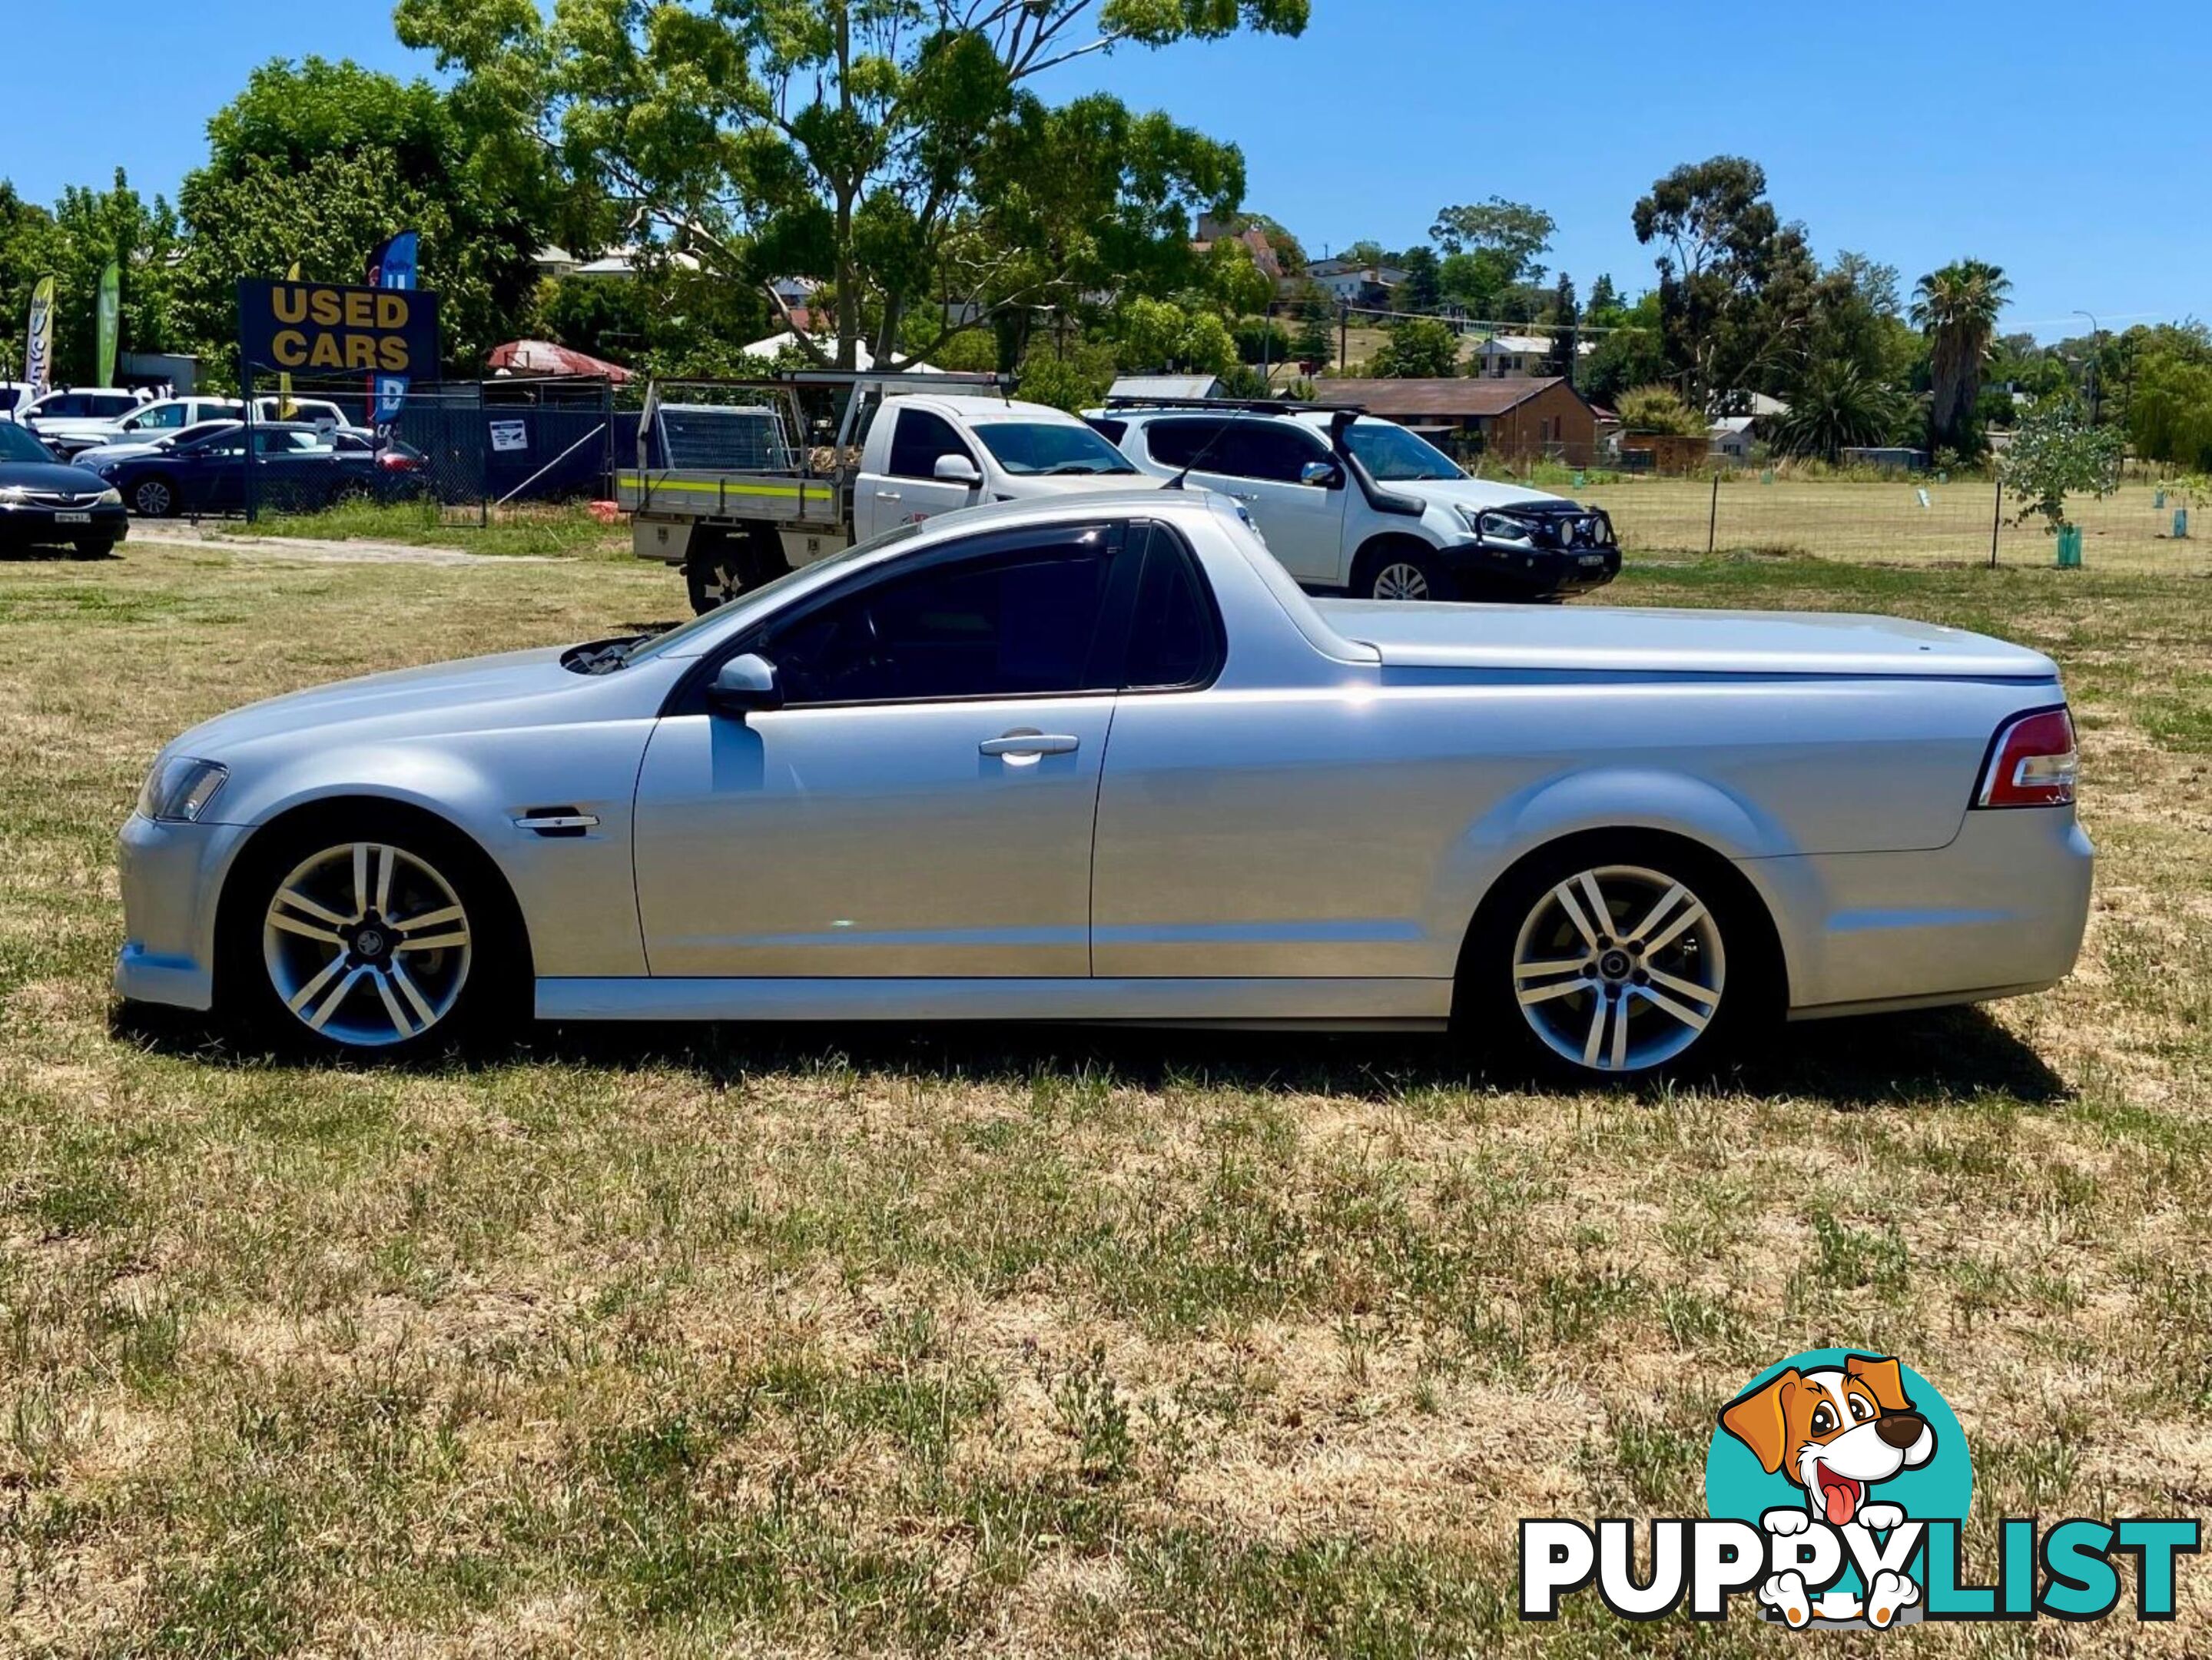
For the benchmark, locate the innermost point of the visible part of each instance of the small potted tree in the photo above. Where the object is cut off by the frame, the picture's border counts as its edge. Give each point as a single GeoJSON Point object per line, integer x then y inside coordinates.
{"type": "Point", "coordinates": [2057, 453]}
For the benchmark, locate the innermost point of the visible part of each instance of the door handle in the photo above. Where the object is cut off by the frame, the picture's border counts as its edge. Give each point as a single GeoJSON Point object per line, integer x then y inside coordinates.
{"type": "Point", "coordinates": [1019, 744]}
{"type": "Point", "coordinates": [1245, 495]}
{"type": "Point", "coordinates": [888, 496]}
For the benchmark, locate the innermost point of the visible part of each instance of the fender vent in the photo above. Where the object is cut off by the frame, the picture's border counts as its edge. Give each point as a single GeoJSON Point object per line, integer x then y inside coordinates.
{"type": "Point", "coordinates": [556, 824]}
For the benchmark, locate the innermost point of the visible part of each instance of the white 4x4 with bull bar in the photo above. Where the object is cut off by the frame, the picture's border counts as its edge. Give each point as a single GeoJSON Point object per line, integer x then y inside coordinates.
{"type": "Point", "coordinates": [1351, 503]}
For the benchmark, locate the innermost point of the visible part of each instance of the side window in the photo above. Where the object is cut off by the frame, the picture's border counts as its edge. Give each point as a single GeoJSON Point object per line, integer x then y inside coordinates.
{"type": "Point", "coordinates": [168, 416]}
{"type": "Point", "coordinates": [65, 407]}
{"type": "Point", "coordinates": [1174, 639]}
{"type": "Point", "coordinates": [1020, 623]}
{"type": "Point", "coordinates": [1266, 451]}
{"type": "Point", "coordinates": [1111, 431]}
{"type": "Point", "coordinates": [918, 439]}
{"type": "Point", "coordinates": [1179, 443]}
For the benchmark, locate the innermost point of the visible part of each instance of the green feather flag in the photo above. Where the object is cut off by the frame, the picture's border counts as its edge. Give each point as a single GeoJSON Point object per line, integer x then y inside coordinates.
{"type": "Point", "coordinates": [111, 308]}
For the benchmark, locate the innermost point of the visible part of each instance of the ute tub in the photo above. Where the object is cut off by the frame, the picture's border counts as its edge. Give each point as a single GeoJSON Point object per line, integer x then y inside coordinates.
{"type": "Point", "coordinates": [1612, 639]}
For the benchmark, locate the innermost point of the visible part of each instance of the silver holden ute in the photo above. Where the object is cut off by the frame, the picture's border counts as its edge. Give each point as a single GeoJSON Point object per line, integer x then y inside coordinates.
{"type": "Point", "coordinates": [1099, 758]}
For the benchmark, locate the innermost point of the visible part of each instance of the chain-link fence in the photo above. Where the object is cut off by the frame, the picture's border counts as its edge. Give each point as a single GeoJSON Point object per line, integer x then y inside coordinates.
{"type": "Point", "coordinates": [460, 449]}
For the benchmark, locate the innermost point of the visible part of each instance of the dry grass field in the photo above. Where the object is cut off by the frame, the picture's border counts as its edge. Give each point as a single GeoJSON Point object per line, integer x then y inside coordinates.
{"type": "Point", "coordinates": [1838, 518]}
{"type": "Point", "coordinates": [675, 1341]}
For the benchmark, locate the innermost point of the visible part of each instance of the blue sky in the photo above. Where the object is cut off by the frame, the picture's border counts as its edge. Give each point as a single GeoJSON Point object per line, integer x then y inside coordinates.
{"type": "Point", "coordinates": [2059, 140]}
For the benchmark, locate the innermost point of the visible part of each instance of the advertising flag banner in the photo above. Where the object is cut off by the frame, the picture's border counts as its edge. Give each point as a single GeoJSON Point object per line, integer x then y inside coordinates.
{"type": "Point", "coordinates": [39, 346]}
{"type": "Point", "coordinates": [108, 319]}
{"type": "Point", "coordinates": [391, 266]}
{"type": "Point", "coordinates": [284, 410]}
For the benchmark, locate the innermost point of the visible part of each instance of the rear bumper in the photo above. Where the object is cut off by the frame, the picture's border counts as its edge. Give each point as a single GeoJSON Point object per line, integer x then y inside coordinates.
{"type": "Point", "coordinates": [1999, 912]}
{"type": "Point", "coordinates": [1488, 570]}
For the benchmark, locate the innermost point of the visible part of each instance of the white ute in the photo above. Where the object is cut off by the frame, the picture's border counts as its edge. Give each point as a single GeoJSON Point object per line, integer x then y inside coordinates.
{"type": "Point", "coordinates": [738, 483]}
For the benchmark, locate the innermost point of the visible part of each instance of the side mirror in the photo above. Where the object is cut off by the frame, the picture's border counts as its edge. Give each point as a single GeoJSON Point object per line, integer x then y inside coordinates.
{"type": "Point", "coordinates": [743, 685]}
{"type": "Point", "coordinates": [958, 470]}
{"type": "Point", "coordinates": [1322, 475]}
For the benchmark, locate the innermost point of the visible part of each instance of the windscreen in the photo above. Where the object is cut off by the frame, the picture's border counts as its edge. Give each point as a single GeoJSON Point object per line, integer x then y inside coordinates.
{"type": "Point", "coordinates": [1393, 456]}
{"type": "Point", "coordinates": [1049, 449]}
{"type": "Point", "coordinates": [17, 445]}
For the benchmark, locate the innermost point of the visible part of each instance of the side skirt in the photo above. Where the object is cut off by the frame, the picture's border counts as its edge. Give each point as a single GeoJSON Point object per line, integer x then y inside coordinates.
{"type": "Point", "coordinates": [1323, 1004]}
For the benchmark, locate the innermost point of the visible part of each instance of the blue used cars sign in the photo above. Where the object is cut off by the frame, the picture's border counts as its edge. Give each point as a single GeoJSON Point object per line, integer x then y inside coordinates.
{"type": "Point", "coordinates": [325, 328]}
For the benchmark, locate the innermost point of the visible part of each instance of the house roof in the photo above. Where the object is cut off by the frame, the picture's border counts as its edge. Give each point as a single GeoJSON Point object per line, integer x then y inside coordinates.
{"type": "Point", "coordinates": [1524, 345]}
{"type": "Point", "coordinates": [1459, 398]}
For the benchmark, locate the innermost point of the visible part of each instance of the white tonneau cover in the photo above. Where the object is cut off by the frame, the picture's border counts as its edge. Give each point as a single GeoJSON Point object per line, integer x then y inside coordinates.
{"type": "Point", "coordinates": [1594, 639]}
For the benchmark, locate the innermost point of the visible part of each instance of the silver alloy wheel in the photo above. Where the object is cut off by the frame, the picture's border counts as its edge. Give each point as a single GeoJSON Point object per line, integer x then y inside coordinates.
{"type": "Point", "coordinates": [152, 499]}
{"type": "Point", "coordinates": [367, 944]}
{"type": "Point", "coordinates": [1619, 969]}
{"type": "Point", "coordinates": [1401, 580]}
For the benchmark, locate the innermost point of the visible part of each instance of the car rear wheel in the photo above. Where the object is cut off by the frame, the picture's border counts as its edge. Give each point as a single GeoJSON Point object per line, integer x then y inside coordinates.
{"type": "Point", "coordinates": [1405, 573]}
{"type": "Point", "coordinates": [379, 939]}
{"type": "Point", "coordinates": [713, 582]}
{"type": "Point", "coordinates": [153, 498]}
{"type": "Point", "coordinates": [1617, 960]}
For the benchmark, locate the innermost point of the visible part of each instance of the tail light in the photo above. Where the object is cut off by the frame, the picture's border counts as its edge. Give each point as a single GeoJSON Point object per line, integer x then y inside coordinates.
{"type": "Point", "coordinates": [397, 461]}
{"type": "Point", "coordinates": [2033, 764]}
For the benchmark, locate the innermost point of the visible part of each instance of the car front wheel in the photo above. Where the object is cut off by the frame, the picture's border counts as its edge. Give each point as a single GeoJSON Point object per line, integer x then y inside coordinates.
{"type": "Point", "coordinates": [390, 941]}
{"type": "Point", "coordinates": [1616, 962]}
{"type": "Point", "coordinates": [1408, 574]}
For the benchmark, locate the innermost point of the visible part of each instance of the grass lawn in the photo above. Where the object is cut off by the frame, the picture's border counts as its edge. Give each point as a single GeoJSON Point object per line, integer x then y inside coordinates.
{"type": "Point", "coordinates": [537, 529]}
{"type": "Point", "coordinates": [672, 1341]}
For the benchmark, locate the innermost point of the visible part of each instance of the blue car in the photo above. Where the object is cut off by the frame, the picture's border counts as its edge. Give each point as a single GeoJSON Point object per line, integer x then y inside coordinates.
{"type": "Point", "coordinates": [297, 468]}
{"type": "Point", "coordinates": [45, 503]}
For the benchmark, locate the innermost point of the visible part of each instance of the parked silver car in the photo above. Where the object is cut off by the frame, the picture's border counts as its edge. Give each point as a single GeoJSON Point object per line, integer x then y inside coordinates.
{"type": "Point", "coordinates": [1100, 759]}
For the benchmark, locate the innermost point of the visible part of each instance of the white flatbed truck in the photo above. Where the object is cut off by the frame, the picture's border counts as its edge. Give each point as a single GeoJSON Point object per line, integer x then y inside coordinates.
{"type": "Point", "coordinates": [738, 482]}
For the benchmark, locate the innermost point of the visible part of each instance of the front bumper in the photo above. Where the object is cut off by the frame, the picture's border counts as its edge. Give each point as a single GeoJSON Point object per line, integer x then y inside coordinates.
{"type": "Point", "coordinates": [1482, 569]}
{"type": "Point", "coordinates": [31, 524]}
{"type": "Point", "coordinates": [2001, 910]}
{"type": "Point", "coordinates": [170, 876]}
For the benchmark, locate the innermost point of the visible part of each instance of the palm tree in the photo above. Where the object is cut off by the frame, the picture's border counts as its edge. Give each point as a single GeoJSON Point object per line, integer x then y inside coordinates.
{"type": "Point", "coordinates": [1834, 406]}
{"type": "Point", "coordinates": [1957, 307]}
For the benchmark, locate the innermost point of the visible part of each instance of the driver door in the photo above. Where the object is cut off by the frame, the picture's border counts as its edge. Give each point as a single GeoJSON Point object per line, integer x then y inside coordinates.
{"type": "Point", "coordinates": [922, 805]}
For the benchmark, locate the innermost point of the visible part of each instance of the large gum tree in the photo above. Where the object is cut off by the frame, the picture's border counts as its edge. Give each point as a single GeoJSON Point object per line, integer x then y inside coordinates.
{"type": "Point", "coordinates": [894, 152]}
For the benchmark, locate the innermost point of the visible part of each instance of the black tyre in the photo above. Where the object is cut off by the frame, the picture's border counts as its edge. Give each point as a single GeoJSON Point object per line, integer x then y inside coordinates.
{"type": "Point", "coordinates": [154, 498]}
{"type": "Point", "coordinates": [714, 581]}
{"type": "Point", "coordinates": [367, 932]}
{"type": "Point", "coordinates": [93, 547]}
{"type": "Point", "coordinates": [1618, 957]}
{"type": "Point", "coordinates": [1405, 571]}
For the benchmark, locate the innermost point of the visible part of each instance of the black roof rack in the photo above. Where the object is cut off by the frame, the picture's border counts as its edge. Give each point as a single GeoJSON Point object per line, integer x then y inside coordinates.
{"type": "Point", "coordinates": [1248, 405]}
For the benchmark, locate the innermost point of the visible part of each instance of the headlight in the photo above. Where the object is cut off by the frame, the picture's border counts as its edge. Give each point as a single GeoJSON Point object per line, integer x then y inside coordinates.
{"type": "Point", "coordinates": [178, 790]}
{"type": "Point", "coordinates": [110, 498]}
{"type": "Point", "coordinates": [12, 492]}
{"type": "Point", "coordinates": [1518, 535]}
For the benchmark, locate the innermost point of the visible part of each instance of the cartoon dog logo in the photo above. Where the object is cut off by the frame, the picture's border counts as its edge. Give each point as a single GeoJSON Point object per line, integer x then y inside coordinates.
{"type": "Point", "coordinates": [1837, 1432]}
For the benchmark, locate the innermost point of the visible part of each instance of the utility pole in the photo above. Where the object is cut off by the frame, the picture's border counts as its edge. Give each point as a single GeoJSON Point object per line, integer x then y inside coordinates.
{"type": "Point", "coordinates": [1343, 337]}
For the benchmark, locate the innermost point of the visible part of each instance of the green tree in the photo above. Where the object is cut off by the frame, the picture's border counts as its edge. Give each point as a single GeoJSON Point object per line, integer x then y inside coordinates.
{"type": "Point", "coordinates": [317, 163]}
{"type": "Point", "coordinates": [1734, 280]}
{"type": "Point", "coordinates": [1564, 315]}
{"type": "Point", "coordinates": [1161, 335]}
{"type": "Point", "coordinates": [1423, 289]}
{"type": "Point", "coordinates": [2056, 453]}
{"type": "Point", "coordinates": [1632, 352]}
{"type": "Point", "coordinates": [89, 228]}
{"type": "Point", "coordinates": [2170, 406]}
{"type": "Point", "coordinates": [1316, 339]}
{"type": "Point", "coordinates": [1517, 233]}
{"type": "Point", "coordinates": [1660, 409]}
{"type": "Point", "coordinates": [1834, 406]}
{"type": "Point", "coordinates": [1418, 348]}
{"type": "Point", "coordinates": [844, 141]}
{"type": "Point", "coordinates": [1956, 308]}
